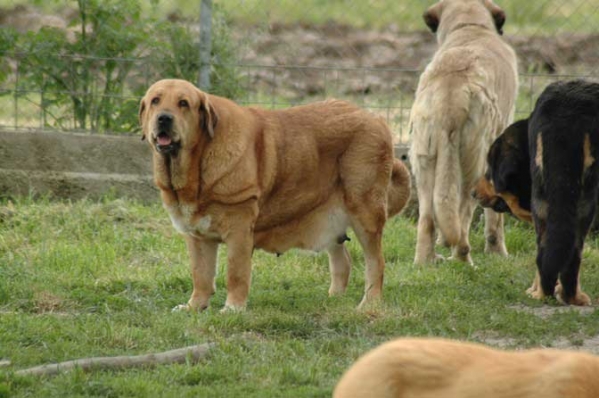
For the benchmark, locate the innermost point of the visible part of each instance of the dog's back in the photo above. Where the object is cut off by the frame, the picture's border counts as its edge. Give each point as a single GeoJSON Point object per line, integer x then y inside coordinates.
{"type": "Point", "coordinates": [564, 149]}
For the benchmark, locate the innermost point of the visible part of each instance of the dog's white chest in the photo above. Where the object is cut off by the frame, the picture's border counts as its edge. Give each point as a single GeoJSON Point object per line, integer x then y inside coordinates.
{"type": "Point", "coordinates": [185, 222]}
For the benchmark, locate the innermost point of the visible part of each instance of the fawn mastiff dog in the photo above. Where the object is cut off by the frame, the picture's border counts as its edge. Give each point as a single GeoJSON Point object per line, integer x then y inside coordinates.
{"type": "Point", "coordinates": [436, 368]}
{"type": "Point", "coordinates": [545, 168]}
{"type": "Point", "coordinates": [273, 180]}
{"type": "Point", "coordinates": [465, 98]}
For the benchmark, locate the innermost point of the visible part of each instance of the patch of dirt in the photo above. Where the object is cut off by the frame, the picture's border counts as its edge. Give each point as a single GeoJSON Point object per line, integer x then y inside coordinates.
{"type": "Point", "coordinates": [574, 342]}
{"type": "Point", "coordinates": [315, 49]}
{"type": "Point", "coordinates": [547, 311]}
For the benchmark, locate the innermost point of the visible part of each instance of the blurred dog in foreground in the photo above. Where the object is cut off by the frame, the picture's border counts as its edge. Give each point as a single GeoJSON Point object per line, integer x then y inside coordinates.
{"type": "Point", "coordinates": [436, 368]}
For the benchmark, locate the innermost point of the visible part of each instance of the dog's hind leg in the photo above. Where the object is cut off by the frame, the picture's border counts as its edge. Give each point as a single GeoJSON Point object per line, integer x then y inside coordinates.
{"type": "Point", "coordinates": [371, 242]}
{"type": "Point", "coordinates": [425, 180]}
{"type": "Point", "coordinates": [340, 267]}
{"type": "Point", "coordinates": [368, 220]}
{"type": "Point", "coordinates": [570, 292]}
{"type": "Point", "coordinates": [494, 236]}
{"type": "Point", "coordinates": [467, 205]}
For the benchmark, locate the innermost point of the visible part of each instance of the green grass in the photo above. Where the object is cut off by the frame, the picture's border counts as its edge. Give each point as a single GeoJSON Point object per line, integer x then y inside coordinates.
{"type": "Point", "coordinates": [100, 278]}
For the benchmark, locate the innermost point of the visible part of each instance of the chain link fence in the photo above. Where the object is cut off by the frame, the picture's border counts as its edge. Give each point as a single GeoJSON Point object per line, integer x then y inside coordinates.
{"type": "Point", "coordinates": [288, 52]}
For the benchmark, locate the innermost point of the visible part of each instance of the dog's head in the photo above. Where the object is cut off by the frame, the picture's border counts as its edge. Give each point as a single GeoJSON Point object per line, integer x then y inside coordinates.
{"type": "Point", "coordinates": [173, 114]}
{"type": "Point", "coordinates": [449, 15]}
{"type": "Point", "coordinates": [506, 185]}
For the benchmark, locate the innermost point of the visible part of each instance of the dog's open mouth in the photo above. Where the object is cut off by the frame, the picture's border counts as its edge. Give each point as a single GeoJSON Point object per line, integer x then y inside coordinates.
{"type": "Point", "coordinates": [165, 144]}
{"type": "Point", "coordinates": [163, 139]}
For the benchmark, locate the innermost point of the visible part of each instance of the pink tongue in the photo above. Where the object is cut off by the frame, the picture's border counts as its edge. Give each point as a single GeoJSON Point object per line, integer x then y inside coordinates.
{"type": "Point", "coordinates": [164, 140]}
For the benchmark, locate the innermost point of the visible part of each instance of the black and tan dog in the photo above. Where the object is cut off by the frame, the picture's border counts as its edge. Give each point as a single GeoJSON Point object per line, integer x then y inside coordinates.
{"type": "Point", "coordinates": [546, 167]}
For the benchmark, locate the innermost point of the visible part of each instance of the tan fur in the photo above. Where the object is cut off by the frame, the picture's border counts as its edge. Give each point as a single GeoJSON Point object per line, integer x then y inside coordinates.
{"type": "Point", "coordinates": [436, 368]}
{"type": "Point", "coordinates": [539, 157]}
{"type": "Point", "coordinates": [464, 100]}
{"type": "Point", "coordinates": [274, 180]}
{"type": "Point", "coordinates": [588, 157]}
{"type": "Point", "coordinates": [484, 192]}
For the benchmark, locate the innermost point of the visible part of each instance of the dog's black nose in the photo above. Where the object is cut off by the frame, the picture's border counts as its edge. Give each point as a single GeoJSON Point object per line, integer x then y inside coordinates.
{"type": "Point", "coordinates": [165, 119]}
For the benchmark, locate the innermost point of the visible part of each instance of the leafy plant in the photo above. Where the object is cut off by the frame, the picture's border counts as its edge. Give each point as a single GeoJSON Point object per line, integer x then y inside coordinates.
{"type": "Point", "coordinates": [91, 76]}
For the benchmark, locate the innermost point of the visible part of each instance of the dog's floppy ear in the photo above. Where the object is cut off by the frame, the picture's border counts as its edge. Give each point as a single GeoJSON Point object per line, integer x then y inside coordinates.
{"type": "Point", "coordinates": [208, 115]}
{"type": "Point", "coordinates": [498, 15]}
{"type": "Point", "coordinates": [142, 109]}
{"type": "Point", "coordinates": [432, 17]}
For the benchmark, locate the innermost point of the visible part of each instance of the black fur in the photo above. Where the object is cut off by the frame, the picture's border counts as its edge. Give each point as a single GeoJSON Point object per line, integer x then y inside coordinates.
{"type": "Point", "coordinates": [560, 191]}
{"type": "Point", "coordinates": [565, 113]}
{"type": "Point", "coordinates": [508, 162]}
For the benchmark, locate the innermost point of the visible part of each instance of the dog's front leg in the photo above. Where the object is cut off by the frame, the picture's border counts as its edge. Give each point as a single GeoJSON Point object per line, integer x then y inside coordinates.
{"type": "Point", "coordinates": [240, 244]}
{"type": "Point", "coordinates": [202, 256]}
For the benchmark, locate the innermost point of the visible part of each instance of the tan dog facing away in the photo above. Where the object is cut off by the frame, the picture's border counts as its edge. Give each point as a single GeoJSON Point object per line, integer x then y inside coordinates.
{"type": "Point", "coordinates": [436, 368]}
{"type": "Point", "coordinates": [274, 180]}
{"type": "Point", "coordinates": [465, 98]}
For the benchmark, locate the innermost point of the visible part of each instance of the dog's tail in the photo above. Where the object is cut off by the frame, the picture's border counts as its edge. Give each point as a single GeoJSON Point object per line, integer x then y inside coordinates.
{"type": "Point", "coordinates": [399, 189]}
{"type": "Point", "coordinates": [447, 187]}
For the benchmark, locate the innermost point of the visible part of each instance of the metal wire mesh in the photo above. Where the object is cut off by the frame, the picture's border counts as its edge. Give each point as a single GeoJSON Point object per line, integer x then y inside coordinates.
{"type": "Point", "coordinates": [370, 52]}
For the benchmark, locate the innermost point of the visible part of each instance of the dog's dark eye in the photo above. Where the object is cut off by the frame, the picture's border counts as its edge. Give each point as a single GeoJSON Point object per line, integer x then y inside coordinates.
{"type": "Point", "coordinates": [155, 100]}
{"type": "Point", "coordinates": [183, 104]}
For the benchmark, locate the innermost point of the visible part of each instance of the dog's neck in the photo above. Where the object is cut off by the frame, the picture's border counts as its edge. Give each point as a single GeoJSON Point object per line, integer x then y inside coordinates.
{"type": "Point", "coordinates": [463, 25]}
{"type": "Point", "coordinates": [179, 176]}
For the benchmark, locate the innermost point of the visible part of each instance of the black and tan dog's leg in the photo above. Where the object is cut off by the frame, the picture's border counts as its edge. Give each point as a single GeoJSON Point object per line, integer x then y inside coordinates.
{"type": "Point", "coordinates": [574, 294]}
{"type": "Point", "coordinates": [202, 254]}
{"type": "Point", "coordinates": [340, 267]}
{"type": "Point", "coordinates": [570, 292]}
{"type": "Point", "coordinates": [536, 290]}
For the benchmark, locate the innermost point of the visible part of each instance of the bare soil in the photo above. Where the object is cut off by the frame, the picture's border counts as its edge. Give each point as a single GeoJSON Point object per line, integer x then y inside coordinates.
{"type": "Point", "coordinates": [343, 47]}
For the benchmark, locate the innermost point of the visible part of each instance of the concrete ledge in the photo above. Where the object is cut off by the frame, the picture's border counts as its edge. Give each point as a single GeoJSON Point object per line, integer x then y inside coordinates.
{"type": "Point", "coordinates": [74, 166]}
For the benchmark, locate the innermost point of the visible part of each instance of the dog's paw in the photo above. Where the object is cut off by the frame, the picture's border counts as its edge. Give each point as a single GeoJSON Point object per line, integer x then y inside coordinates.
{"type": "Point", "coordinates": [433, 259]}
{"type": "Point", "coordinates": [581, 299]}
{"type": "Point", "coordinates": [231, 309]}
{"type": "Point", "coordinates": [190, 306]}
{"type": "Point", "coordinates": [181, 308]}
{"type": "Point", "coordinates": [370, 305]}
{"type": "Point", "coordinates": [497, 248]}
{"type": "Point", "coordinates": [535, 293]}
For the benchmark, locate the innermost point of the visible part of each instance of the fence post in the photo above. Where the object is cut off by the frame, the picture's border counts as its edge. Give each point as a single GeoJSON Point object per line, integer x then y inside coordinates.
{"type": "Point", "coordinates": [205, 44]}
